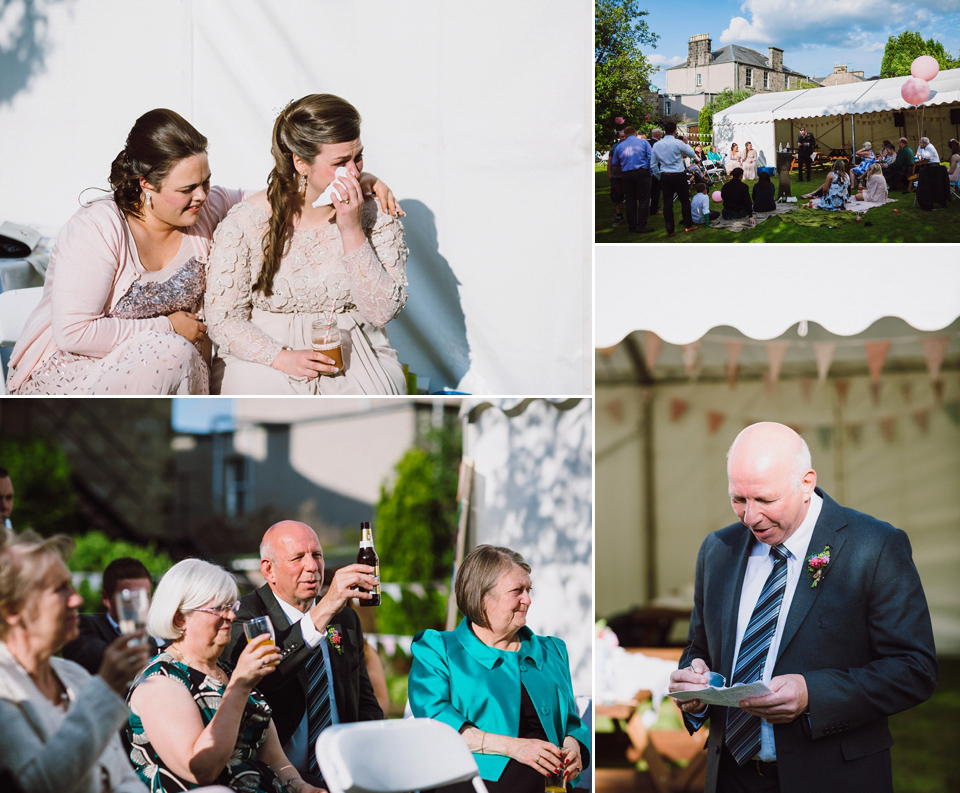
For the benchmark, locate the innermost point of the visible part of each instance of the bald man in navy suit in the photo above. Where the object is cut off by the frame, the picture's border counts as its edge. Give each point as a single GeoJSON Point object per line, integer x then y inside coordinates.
{"type": "Point", "coordinates": [852, 645]}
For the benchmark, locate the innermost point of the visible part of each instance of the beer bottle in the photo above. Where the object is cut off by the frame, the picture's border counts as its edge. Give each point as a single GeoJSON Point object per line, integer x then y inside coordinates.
{"type": "Point", "coordinates": [367, 555]}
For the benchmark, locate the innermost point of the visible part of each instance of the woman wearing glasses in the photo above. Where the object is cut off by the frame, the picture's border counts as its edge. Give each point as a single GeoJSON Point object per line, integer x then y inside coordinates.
{"type": "Point", "coordinates": [194, 720]}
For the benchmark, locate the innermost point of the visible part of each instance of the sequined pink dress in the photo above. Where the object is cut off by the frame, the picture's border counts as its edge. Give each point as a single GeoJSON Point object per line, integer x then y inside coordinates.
{"type": "Point", "coordinates": [101, 326]}
{"type": "Point", "coordinates": [368, 287]}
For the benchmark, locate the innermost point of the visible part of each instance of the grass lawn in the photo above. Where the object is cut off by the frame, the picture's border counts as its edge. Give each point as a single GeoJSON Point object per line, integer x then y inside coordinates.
{"type": "Point", "coordinates": [910, 224]}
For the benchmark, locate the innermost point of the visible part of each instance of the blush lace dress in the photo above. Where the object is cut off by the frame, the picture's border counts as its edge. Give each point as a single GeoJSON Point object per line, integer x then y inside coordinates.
{"type": "Point", "coordinates": [367, 288]}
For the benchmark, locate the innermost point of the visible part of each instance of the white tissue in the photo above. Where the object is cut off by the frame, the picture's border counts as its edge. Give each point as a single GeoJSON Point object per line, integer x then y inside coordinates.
{"type": "Point", "coordinates": [327, 196]}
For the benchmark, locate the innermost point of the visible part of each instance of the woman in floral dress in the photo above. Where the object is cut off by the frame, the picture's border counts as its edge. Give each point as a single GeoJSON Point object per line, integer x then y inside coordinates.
{"type": "Point", "coordinates": [279, 263]}
{"type": "Point", "coordinates": [193, 719]}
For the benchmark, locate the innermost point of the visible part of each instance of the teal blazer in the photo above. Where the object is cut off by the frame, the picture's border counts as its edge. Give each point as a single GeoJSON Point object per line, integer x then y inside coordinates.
{"type": "Point", "coordinates": [456, 678]}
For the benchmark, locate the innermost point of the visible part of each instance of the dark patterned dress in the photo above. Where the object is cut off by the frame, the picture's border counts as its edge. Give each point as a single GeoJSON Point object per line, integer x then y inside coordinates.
{"type": "Point", "coordinates": [244, 771]}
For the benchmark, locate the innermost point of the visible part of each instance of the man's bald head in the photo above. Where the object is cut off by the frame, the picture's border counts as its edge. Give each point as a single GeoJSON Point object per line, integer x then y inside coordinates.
{"type": "Point", "coordinates": [291, 561]}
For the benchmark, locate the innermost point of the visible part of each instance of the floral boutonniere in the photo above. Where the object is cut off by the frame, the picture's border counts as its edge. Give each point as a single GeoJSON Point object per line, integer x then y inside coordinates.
{"type": "Point", "coordinates": [335, 639]}
{"type": "Point", "coordinates": [817, 563]}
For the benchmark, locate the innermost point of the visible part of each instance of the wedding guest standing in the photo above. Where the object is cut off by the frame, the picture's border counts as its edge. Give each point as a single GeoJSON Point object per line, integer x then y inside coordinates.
{"type": "Point", "coordinates": [805, 147]}
{"type": "Point", "coordinates": [493, 673]}
{"type": "Point", "coordinates": [821, 603]}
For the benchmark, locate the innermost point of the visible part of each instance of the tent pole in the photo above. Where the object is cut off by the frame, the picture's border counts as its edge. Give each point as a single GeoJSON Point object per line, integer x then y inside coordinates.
{"type": "Point", "coordinates": [649, 498]}
{"type": "Point", "coordinates": [839, 448]}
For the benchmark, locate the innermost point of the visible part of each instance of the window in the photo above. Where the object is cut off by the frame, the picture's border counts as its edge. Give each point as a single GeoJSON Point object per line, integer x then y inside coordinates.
{"type": "Point", "coordinates": [766, 79]}
{"type": "Point", "coordinates": [699, 79]}
{"type": "Point", "coordinates": [666, 107]}
{"type": "Point", "coordinates": [749, 80]}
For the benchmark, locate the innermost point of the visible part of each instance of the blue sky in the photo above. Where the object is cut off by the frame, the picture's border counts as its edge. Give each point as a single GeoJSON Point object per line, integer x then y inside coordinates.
{"type": "Point", "coordinates": [813, 36]}
{"type": "Point", "coordinates": [198, 414]}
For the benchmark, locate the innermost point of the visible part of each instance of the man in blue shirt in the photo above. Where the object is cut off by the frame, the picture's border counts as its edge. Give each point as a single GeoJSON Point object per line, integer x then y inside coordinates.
{"type": "Point", "coordinates": [668, 165]}
{"type": "Point", "coordinates": [632, 156]}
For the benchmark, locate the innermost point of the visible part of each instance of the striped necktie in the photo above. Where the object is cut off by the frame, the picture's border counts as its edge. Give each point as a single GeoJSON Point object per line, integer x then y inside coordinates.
{"type": "Point", "coordinates": [743, 729]}
{"type": "Point", "coordinates": [318, 705]}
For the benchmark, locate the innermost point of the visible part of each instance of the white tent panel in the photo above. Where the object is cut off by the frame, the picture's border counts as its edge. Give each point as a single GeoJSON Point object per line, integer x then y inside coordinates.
{"type": "Point", "coordinates": [764, 297]}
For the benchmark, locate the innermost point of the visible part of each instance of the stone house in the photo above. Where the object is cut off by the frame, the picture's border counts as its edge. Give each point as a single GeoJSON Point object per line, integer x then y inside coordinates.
{"type": "Point", "coordinates": [707, 72]}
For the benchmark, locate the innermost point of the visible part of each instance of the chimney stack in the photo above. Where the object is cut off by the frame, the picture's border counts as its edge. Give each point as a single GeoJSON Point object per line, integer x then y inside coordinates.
{"type": "Point", "coordinates": [776, 59]}
{"type": "Point", "coordinates": [698, 50]}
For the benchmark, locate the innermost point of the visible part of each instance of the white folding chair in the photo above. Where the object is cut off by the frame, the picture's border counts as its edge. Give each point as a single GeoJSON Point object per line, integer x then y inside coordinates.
{"type": "Point", "coordinates": [15, 306]}
{"type": "Point", "coordinates": [394, 756]}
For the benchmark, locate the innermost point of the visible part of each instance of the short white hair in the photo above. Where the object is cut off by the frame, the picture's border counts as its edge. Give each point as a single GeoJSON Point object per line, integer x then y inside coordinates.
{"type": "Point", "coordinates": [868, 145]}
{"type": "Point", "coordinates": [190, 584]}
{"type": "Point", "coordinates": [924, 140]}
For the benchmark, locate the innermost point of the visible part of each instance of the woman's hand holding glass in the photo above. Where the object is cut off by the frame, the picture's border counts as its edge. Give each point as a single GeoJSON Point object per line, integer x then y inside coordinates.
{"type": "Point", "coordinates": [542, 755]}
{"type": "Point", "coordinates": [572, 761]}
{"type": "Point", "coordinates": [258, 659]}
{"type": "Point", "coordinates": [303, 363]}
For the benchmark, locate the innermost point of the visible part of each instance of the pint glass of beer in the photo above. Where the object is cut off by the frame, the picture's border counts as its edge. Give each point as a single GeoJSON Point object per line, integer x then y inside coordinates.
{"type": "Point", "coordinates": [257, 627]}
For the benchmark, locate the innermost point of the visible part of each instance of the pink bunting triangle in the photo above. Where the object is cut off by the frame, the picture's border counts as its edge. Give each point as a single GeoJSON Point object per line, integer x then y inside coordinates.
{"type": "Point", "coordinates": [651, 348]}
{"type": "Point", "coordinates": [876, 355]}
{"type": "Point", "coordinates": [823, 351]}
{"type": "Point", "coordinates": [715, 420]}
{"type": "Point", "coordinates": [734, 347]}
{"type": "Point", "coordinates": [934, 350]}
{"type": "Point", "coordinates": [677, 408]}
{"type": "Point", "coordinates": [691, 358]}
{"type": "Point", "coordinates": [776, 350]}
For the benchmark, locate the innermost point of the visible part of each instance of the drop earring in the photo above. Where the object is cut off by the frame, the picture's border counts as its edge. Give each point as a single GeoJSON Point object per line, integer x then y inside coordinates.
{"type": "Point", "coordinates": [147, 201]}
{"type": "Point", "coordinates": [303, 184]}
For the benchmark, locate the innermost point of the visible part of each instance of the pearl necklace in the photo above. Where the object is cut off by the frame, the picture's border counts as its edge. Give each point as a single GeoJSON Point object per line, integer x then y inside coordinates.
{"type": "Point", "coordinates": [219, 676]}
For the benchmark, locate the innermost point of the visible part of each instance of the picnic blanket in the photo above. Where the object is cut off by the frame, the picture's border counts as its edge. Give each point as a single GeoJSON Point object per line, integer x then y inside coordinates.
{"type": "Point", "coordinates": [823, 219]}
{"type": "Point", "coordinates": [744, 223]}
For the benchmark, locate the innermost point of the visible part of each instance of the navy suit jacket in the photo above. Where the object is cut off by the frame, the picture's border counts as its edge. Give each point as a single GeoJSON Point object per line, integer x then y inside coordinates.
{"type": "Point", "coordinates": [286, 688]}
{"type": "Point", "coordinates": [861, 639]}
{"type": "Point", "coordinates": [96, 633]}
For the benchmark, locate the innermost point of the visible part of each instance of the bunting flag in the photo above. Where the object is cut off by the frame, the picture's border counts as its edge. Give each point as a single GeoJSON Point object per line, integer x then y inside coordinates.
{"type": "Point", "coordinates": [806, 388]}
{"type": "Point", "coordinates": [842, 387]}
{"type": "Point", "coordinates": [855, 431]}
{"type": "Point", "coordinates": [714, 421]}
{"type": "Point", "coordinates": [824, 350]}
{"type": "Point", "coordinates": [734, 347]}
{"type": "Point", "coordinates": [615, 409]}
{"type": "Point", "coordinates": [691, 358]}
{"type": "Point", "coordinates": [934, 350]}
{"type": "Point", "coordinates": [922, 418]}
{"type": "Point", "coordinates": [651, 348]}
{"type": "Point", "coordinates": [876, 355]}
{"type": "Point", "coordinates": [776, 350]}
{"type": "Point", "coordinates": [677, 408]}
{"type": "Point", "coordinates": [887, 427]}
{"type": "Point", "coordinates": [826, 435]}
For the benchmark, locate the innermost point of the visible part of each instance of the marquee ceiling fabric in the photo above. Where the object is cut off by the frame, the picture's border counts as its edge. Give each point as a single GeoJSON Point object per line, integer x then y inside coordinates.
{"type": "Point", "coordinates": [763, 293]}
{"type": "Point", "coordinates": [870, 96]}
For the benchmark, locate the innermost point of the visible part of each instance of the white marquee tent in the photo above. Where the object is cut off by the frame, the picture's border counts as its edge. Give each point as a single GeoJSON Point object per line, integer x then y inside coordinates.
{"type": "Point", "coordinates": [841, 116]}
{"type": "Point", "coordinates": [862, 359]}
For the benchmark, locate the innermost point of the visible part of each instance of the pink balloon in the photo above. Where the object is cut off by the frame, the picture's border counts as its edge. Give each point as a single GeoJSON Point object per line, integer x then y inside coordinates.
{"type": "Point", "coordinates": [915, 91]}
{"type": "Point", "coordinates": [925, 67]}
{"type": "Point", "coordinates": [716, 196]}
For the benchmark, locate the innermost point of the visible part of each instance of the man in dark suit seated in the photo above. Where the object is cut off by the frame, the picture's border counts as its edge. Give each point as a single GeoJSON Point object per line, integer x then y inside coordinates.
{"type": "Point", "coordinates": [822, 604]}
{"type": "Point", "coordinates": [99, 630]}
{"type": "Point", "coordinates": [320, 640]}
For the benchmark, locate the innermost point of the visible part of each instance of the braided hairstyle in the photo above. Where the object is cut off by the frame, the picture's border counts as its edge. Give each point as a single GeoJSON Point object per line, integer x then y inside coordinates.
{"type": "Point", "coordinates": [157, 142]}
{"type": "Point", "coordinates": [301, 129]}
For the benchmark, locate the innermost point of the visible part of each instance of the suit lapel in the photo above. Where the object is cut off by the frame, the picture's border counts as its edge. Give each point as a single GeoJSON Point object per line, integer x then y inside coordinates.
{"type": "Point", "coordinates": [736, 563]}
{"type": "Point", "coordinates": [826, 532]}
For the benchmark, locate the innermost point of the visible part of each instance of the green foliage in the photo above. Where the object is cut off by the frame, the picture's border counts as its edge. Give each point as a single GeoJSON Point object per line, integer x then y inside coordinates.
{"type": "Point", "coordinates": [726, 98]}
{"type": "Point", "coordinates": [95, 551]}
{"type": "Point", "coordinates": [901, 51]}
{"type": "Point", "coordinates": [416, 529]}
{"type": "Point", "coordinates": [622, 73]}
{"type": "Point", "coordinates": [44, 498]}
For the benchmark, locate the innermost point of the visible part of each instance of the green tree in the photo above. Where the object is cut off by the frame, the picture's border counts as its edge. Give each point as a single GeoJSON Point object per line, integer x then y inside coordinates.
{"type": "Point", "coordinates": [44, 498]}
{"type": "Point", "coordinates": [95, 551]}
{"type": "Point", "coordinates": [416, 524]}
{"type": "Point", "coordinates": [901, 51]}
{"type": "Point", "coordinates": [726, 98]}
{"type": "Point", "coordinates": [622, 73]}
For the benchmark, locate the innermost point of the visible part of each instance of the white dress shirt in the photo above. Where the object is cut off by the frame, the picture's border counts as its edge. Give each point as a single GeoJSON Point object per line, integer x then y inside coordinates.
{"type": "Point", "coordinates": [759, 566]}
{"type": "Point", "coordinates": [297, 749]}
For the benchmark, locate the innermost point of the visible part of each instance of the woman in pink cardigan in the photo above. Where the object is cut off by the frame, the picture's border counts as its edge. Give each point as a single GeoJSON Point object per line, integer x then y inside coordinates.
{"type": "Point", "coordinates": [120, 312]}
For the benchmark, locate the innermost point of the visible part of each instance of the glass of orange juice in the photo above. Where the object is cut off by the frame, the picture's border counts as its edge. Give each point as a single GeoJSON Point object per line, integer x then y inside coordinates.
{"type": "Point", "coordinates": [257, 627]}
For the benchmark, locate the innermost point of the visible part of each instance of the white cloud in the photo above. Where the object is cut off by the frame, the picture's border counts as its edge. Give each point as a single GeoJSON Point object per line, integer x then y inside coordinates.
{"type": "Point", "coordinates": [666, 61]}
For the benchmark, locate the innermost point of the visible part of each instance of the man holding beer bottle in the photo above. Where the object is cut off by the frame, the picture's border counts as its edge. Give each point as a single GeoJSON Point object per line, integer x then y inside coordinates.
{"type": "Point", "coordinates": [322, 678]}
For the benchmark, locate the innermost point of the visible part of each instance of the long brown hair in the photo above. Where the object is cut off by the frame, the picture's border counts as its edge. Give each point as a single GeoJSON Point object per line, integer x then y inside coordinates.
{"type": "Point", "coordinates": [157, 142]}
{"type": "Point", "coordinates": [301, 129]}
